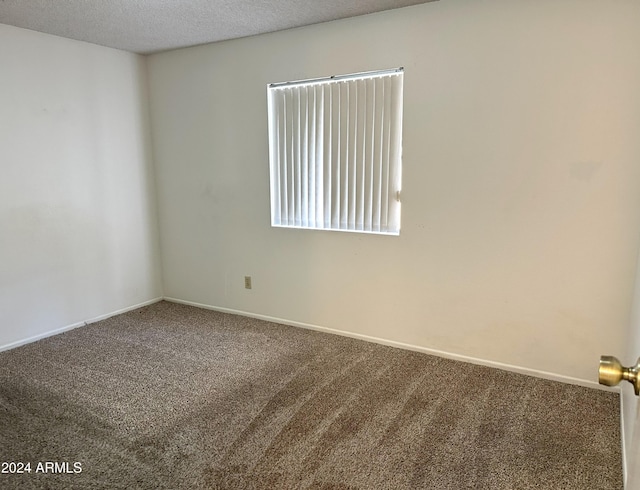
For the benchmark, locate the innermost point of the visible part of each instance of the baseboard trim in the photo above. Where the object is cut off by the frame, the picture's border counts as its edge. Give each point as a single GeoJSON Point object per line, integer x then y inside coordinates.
{"type": "Point", "coordinates": [57, 331]}
{"type": "Point", "coordinates": [435, 352]}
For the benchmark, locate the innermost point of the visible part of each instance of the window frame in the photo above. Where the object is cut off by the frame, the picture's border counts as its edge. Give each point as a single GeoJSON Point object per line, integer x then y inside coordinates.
{"type": "Point", "coordinates": [303, 140]}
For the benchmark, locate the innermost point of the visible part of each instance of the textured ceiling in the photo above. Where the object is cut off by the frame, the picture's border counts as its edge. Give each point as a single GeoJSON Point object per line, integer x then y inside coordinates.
{"type": "Point", "coordinates": [148, 26]}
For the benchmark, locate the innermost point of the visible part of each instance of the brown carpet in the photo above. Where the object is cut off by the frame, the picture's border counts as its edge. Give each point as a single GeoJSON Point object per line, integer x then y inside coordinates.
{"type": "Point", "coordinates": [171, 396]}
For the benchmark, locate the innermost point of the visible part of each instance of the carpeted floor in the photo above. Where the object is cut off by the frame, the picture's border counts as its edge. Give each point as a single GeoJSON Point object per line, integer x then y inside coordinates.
{"type": "Point", "coordinates": [171, 396]}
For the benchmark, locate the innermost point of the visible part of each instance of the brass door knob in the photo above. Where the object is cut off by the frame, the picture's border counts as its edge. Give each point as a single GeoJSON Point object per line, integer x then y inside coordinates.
{"type": "Point", "coordinates": [611, 372]}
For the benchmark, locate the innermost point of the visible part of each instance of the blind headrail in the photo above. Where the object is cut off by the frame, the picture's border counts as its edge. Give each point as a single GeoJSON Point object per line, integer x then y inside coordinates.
{"type": "Point", "coordinates": [352, 76]}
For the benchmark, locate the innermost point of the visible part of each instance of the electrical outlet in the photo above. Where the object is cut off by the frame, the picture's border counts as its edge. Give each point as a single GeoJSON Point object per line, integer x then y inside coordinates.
{"type": "Point", "coordinates": [247, 282]}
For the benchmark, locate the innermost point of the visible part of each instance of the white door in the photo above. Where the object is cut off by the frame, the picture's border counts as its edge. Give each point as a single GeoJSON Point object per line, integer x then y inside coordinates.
{"type": "Point", "coordinates": [630, 407]}
{"type": "Point", "coordinates": [631, 436]}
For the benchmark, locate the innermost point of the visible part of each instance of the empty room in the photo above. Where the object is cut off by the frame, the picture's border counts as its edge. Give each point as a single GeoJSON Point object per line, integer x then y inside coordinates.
{"type": "Point", "coordinates": [335, 245]}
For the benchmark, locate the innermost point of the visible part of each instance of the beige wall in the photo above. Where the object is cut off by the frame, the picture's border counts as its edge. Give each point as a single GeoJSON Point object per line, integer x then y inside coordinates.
{"type": "Point", "coordinates": [78, 229]}
{"type": "Point", "coordinates": [521, 195]}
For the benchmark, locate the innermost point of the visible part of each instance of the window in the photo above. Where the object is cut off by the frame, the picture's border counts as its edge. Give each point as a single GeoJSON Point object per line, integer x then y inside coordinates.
{"type": "Point", "coordinates": [335, 149]}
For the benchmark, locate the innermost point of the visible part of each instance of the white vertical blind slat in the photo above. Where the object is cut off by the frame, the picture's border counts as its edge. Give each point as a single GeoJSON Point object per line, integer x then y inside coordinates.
{"type": "Point", "coordinates": [304, 157]}
{"type": "Point", "coordinates": [294, 160]}
{"type": "Point", "coordinates": [357, 188]}
{"type": "Point", "coordinates": [290, 163]}
{"type": "Point", "coordinates": [319, 157]}
{"type": "Point", "coordinates": [368, 160]}
{"type": "Point", "coordinates": [377, 165]}
{"type": "Point", "coordinates": [386, 155]}
{"type": "Point", "coordinates": [344, 154]}
{"type": "Point", "coordinates": [328, 154]}
{"type": "Point", "coordinates": [337, 154]}
{"type": "Point", "coordinates": [277, 193]}
{"type": "Point", "coordinates": [352, 148]}
{"type": "Point", "coordinates": [395, 154]}
{"type": "Point", "coordinates": [298, 158]}
{"type": "Point", "coordinates": [311, 215]}
{"type": "Point", "coordinates": [274, 159]}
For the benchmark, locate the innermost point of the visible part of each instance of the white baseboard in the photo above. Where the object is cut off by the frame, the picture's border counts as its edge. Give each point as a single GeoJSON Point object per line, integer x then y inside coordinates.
{"type": "Point", "coordinates": [50, 333]}
{"type": "Point", "coordinates": [448, 355]}
{"type": "Point", "coordinates": [367, 338]}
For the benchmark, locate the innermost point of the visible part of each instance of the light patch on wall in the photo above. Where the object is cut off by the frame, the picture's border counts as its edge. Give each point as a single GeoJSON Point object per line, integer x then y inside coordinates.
{"type": "Point", "coordinates": [584, 170]}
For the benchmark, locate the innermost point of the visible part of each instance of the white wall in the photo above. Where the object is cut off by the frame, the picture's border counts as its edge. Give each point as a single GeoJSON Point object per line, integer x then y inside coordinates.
{"type": "Point", "coordinates": [521, 196]}
{"type": "Point", "coordinates": [78, 229]}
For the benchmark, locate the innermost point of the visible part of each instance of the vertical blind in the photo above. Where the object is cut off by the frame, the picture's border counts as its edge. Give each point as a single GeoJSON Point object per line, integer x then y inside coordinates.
{"type": "Point", "coordinates": [335, 152]}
